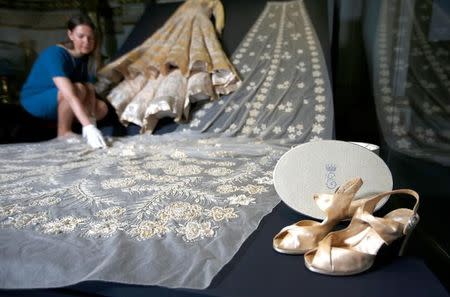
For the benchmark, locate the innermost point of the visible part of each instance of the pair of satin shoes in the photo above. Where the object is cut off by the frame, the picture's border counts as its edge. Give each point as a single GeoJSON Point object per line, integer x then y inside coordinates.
{"type": "Point", "coordinates": [351, 250]}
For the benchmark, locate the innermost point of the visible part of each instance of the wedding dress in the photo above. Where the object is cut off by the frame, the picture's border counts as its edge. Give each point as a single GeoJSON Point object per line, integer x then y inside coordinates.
{"type": "Point", "coordinates": [183, 62]}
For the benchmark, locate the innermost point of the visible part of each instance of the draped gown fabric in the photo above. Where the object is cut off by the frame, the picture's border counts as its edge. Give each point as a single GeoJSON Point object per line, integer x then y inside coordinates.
{"type": "Point", "coordinates": [167, 210]}
{"type": "Point", "coordinates": [286, 95]}
{"type": "Point", "coordinates": [411, 75]}
{"type": "Point", "coordinates": [182, 63]}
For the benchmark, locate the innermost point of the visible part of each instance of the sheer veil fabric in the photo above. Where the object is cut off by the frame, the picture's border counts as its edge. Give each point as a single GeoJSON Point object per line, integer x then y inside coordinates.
{"type": "Point", "coordinates": [286, 96]}
{"type": "Point", "coordinates": [167, 210]}
{"type": "Point", "coordinates": [411, 75]}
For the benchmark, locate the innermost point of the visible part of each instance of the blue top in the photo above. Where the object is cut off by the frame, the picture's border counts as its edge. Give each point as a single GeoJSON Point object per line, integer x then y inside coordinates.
{"type": "Point", "coordinates": [39, 93]}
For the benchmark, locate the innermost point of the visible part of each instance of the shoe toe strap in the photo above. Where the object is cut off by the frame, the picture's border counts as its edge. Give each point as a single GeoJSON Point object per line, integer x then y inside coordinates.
{"type": "Point", "coordinates": [305, 235]}
{"type": "Point", "coordinates": [387, 228]}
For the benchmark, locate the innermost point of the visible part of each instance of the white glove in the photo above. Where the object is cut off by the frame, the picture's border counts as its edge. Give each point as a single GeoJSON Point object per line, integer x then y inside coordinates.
{"type": "Point", "coordinates": [93, 120]}
{"type": "Point", "coordinates": [93, 136]}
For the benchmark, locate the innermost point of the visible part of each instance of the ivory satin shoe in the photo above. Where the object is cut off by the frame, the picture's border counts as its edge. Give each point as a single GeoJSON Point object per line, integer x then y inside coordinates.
{"type": "Point", "coordinates": [353, 250]}
{"type": "Point", "coordinates": [305, 235]}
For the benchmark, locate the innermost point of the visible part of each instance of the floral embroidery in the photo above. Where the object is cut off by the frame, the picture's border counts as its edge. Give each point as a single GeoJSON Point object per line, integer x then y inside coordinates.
{"type": "Point", "coordinates": [117, 183]}
{"type": "Point", "coordinates": [183, 170]}
{"type": "Point", "coordinates": [111, 212]}
{"type": "Point", "coordinates": [148, 229]}
{"type": "Point", "coordinates": [222, 213]}
{"type": "Point", "coordinates": [195, 230]}
{"type": "Point", "coordinates": [241, 200]}
{"type": "Point", "coordinates": [63, 225]}
{"type": "Point", "coordinates": [104, 228]}
{"type": "Point", "coordinates": [180, 211]}
{"type": "Point", "coordinates": [227, 189]}
{"type": "Point", "coordinates": [219, 171]}
{"type": "Point", "coordinates": [26, 220]}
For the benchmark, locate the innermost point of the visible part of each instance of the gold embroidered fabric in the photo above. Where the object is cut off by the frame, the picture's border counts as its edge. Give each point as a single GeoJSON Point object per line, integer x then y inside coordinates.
{"type": "Point", "coordinates": [147, 201]}
{"type": "Point", "coordinates": [182, 62]}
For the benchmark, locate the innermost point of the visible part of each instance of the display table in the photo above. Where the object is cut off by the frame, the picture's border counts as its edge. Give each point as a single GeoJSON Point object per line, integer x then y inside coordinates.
{"type": "Point", "coordinates": [257, 270]}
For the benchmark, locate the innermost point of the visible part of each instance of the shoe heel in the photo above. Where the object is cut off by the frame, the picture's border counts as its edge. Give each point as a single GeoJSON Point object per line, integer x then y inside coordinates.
{"type": "Point", "coordinates": [409, 227]}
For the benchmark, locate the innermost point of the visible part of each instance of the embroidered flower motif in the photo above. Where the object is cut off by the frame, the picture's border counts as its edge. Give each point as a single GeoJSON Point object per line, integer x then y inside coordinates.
{"type": "Point", "coordinates": [240, 200]}
{"type": "Point", "coordinates": [283, 85]}
{"type": "Point", "coordinates": [222, 213]}
{"type": "Point", "coordinates": [262, 38]}
{"type": "Point", "coordinates": [277, 130]}
{"type": "Point", "coordinates": [399, 131]}
{"type": "Point", "coordinates": [104, 228]}
{"type": "Point", "coordinates": [250, 121]}
{"type": "Point", "coordinates": [183, 170]}
{"type": "Point", "coordinates": [295, 36]}
{"type": "Point", "coordinates": [319, 81]}
{"type": "Point", "coordinates": [320, 98]}
{"type": "Point", "coordinates": [319, 108]}
{"type": "Point", "coordinates": [265, 56]}
{"type": "Point", "coordinates": [111, 212]}
{"type": "Point", "coordinates": [246, 130]}
{"type": "Point", "coordinates": [403, 143]}
{"type": "Point", "coordinates": [115, 183]}
{"type": "Point", "coordinates": [319, 90]}
{"type": "Point", "coordinates": [270, 106]}
{"type": "Point", "coordinates": [316, 73]}
{"type": "Point", "coordinates": [251, 86]}
{"type": "Point", "coordinates": [317, 128]}
{"type": "Point", "coordinates": [253, 112]}
{"type": "Point", "coordinates": [320, 118]}
{"type": "Point", "coordinates": [195, 123]}
{"type": "Point", "coordinates": [148, 229]}
{"type": "Point", "coordinates": [63, 225]}
{"type": "Point", "coordinates": [195, 230]}
{"type": "Point", "coordinates": [286, 56]}
{"type": "Point", "coordinates": [245, 68]}
{"type": "Point", "coordinates": [266, 180]}
{"type": "Point", "coordinates": [224, 189]}
{"type": "Point", "coordinates": [178, 155]}
{"type": "Point", "coordinates": [254, 189]}
{"type": "Point", "coordinates": [219, 171]}
{"type": "Point", "coordinates": [26, 220]}
{"type": "Point", "coordinates": [180, 210]}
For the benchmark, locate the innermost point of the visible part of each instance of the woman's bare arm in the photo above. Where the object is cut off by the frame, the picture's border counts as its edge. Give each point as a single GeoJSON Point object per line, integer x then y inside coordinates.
{"type": "Point", "coordinates": [67, 89]}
